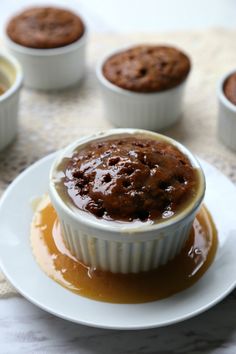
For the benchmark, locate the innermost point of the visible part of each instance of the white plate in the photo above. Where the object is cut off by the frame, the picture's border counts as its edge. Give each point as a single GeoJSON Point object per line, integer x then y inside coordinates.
{"type": "Point", "coordinates": [19, 266]}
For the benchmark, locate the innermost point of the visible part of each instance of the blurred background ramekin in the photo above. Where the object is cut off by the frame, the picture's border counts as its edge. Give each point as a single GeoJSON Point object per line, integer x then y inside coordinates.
{"type": "Point", "coordinates": [11, 77]}
{"type": "Point", "coordinates": [226, 115]}
{"type": "Point", "coordinates": [51, 69]}
{"type": "Point", "coordinates": [128, 109]}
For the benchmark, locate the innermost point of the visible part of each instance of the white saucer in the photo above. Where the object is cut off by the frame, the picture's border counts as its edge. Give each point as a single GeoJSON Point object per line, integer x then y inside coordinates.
{"type": "Point", "coordinates": [19, 266]}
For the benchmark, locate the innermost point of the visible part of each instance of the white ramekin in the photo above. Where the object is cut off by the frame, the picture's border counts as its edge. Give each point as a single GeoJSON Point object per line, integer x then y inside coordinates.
{"type": "Point", "coordinates": [49, 69]}
{"type": "Point", "coordinates": [153, 111]}
{"type": "Point", "coordinates": [123, 247]}
{"type": "Point", "coordinates": [226, 115]}
{"type": "Point", "coordinates": [11, 71]}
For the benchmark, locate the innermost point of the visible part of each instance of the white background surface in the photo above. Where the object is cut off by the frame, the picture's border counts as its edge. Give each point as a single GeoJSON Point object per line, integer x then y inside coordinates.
{"type": "Point", "coordinates": [26, 329]}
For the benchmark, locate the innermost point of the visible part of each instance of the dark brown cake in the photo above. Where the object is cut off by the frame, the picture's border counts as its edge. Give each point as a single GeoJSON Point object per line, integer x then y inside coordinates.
{"type": "Point", "coordinates": [45, 27]}
{"type": "Point", "coordinates": [147, 68]}
{"type": "Point", "coordinates": [230, 88]}
{"type": "Point", "coordinates": [130, 179]}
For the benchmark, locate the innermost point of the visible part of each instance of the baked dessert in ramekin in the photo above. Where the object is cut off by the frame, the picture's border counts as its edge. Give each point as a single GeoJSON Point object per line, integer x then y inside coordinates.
{"type": "Point", "coordinates": [126, 198]}
{"type": "Point", "coordinates": [227, 110]}
{"type": "Point", "coordinates": [143, 86]}
{"type": "Point", "coordinates": [50, 44]}
{"type": "Point", "coordinates": [11, 78]}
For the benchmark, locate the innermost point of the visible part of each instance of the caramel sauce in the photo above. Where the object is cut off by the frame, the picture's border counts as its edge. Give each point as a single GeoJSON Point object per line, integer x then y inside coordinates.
{"type": "Point", "coordinates": [2, 89]}
{"type": "Point", "coordinates": [178, 274]}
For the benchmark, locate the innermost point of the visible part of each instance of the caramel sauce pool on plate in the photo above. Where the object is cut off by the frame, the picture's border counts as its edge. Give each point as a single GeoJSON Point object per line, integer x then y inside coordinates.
{"type": "Point", "coordinates": [178, 274]}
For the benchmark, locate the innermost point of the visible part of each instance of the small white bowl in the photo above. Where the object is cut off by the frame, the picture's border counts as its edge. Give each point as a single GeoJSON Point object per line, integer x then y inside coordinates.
{"type": "Point", "coordinates": [51, 69]}
{"type": "Point", "coordinates": [123, 247]}
{"type": "Point", "coordinates": [11, 76]}
{"type": "Point", "coordinates": [152, 111]}
{"type": "Point", "coordinates": [226, 115]}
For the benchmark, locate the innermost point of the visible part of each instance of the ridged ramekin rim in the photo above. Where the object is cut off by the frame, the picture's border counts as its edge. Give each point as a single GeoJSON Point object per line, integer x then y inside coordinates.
{"type": "Point", "coordinates": [120, 228]}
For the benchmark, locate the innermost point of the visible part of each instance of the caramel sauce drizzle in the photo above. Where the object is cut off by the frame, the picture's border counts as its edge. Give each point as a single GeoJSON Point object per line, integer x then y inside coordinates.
{"type": "Point", "coordinates": [178, 274]}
